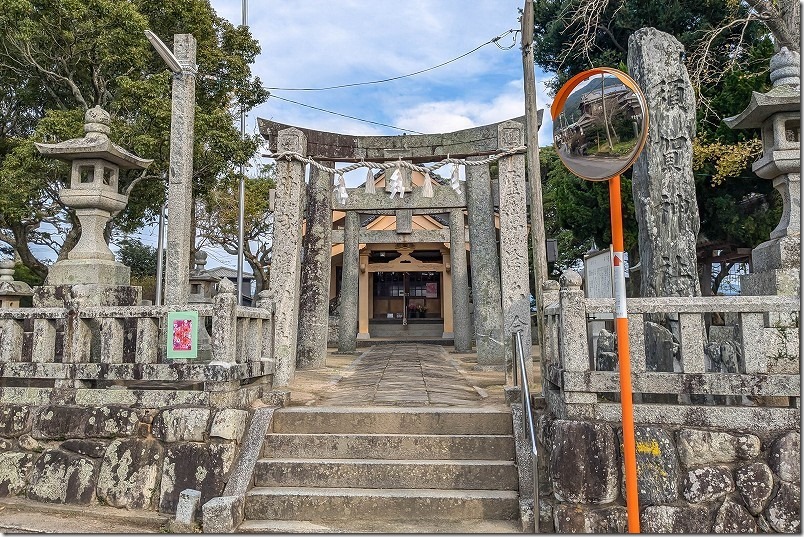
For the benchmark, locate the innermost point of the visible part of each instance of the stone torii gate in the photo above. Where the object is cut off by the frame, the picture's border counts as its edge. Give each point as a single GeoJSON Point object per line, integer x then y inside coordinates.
{"type": "Point", "coordinates": [500, 280]}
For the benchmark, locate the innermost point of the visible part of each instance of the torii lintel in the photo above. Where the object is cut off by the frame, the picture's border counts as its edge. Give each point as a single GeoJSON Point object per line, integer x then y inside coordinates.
{"type": "Point", "coordinates": [332, 146]}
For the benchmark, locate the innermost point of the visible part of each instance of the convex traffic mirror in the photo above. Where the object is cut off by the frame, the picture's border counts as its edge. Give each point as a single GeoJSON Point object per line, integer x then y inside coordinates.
{"type": "Point", "coordinates": [600, 123]}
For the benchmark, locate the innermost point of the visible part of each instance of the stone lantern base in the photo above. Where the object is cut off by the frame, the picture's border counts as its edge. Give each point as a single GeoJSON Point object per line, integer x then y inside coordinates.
{"type": "Point", "coordinates": [95, 271]}
{"type": "Point", "coordinates": [86, 295]}
{"type": "Point", "coordinates": [776, 268]}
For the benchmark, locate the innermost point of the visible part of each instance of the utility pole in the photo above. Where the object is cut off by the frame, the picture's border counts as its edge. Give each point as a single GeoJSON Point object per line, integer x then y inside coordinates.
{"type": "Point", "coordinates": [241, 207]}
{"type": "Point", "coordinates": [532, 160]}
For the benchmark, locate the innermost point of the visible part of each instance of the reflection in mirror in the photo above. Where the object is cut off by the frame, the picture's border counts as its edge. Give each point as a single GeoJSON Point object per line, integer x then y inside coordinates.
{"type": "Point", "coordinates": [601, 128]}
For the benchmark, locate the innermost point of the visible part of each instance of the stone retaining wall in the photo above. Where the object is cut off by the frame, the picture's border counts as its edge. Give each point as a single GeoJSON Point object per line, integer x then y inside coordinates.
{"type": "Point", "coordinates": [691, 480]}
{"type": "Point", "coordinates": [134, 458]}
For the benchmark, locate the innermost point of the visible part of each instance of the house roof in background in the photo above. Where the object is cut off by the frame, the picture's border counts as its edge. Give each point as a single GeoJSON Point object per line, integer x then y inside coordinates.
{"type": "Point", "coordinates": [226, 272]}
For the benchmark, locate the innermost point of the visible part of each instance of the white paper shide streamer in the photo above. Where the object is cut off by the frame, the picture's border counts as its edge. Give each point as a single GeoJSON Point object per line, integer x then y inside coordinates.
{"type": "Point", "coordinates": [427, 187]}
{"type": "Point", "coordinates": [340, 191]}
{"type": "Point", "coordinates": [395, 184]}
{"type": "Point", "coordinates": [455, 178]}
{"type": "Point", "coordinates": [370, 182]}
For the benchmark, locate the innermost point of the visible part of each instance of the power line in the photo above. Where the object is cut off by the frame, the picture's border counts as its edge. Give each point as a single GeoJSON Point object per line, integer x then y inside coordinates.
{"type": "Point", "coordinates": [344, 115]}
{"type": "Point", "coordinates": [494, 40]}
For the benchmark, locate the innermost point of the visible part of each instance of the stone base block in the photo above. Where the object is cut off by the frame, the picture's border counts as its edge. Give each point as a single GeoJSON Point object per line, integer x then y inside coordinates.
{"type": "Point", "coordinates": [222, 514]}
{"type": "Point", "coordinates": [781, 253]}
{"type": "Point", "coordinates": [279, 398]}
{"type": "Point", "coordinates": [100, 272]}
{"type": "Point", "coordinates": [513, 394]}
{"type": "Point", "coordinates": [58, 296]}
{"type": "Point", "coordinates": [774, 282]}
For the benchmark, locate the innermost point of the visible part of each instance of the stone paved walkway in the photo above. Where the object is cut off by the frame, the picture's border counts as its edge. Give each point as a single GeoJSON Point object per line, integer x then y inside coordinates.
{"type": "Point", "coordinates": [403, 374]}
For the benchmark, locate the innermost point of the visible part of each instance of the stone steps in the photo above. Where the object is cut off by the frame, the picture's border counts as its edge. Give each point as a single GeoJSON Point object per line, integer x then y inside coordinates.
{"type": "Point", "coordinates": [391, 446]}
{"type": "Point", "coordinates": [410, 420]}
{"type": "Point", "coordinates": [318, 503]}
{"type": "Point", "coordinates": [374, 473]}
{"type": "Point", "coordinates": [380, 526]}
{"type": "Point", "coordinates": [401, 340]}
{"type": "Point", "coordinates": [385, 470]}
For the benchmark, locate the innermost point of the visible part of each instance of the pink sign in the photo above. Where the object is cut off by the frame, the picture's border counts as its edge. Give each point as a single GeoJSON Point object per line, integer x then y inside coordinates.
{"type": "Point", "coordinates": [182, 335]}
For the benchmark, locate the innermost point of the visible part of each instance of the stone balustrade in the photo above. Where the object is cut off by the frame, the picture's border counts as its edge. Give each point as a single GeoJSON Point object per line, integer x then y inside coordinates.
{"type": "Point", "coordinates": [743, 374]}
{"type": "Point", "coordinates": [124, 347]}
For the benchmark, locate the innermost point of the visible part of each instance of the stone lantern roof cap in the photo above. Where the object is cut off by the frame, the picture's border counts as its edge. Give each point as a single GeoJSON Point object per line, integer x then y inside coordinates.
{"type": "Point", "coordinates": [94, 145]}
{"type": "Point", "coordinates": [763, 105]}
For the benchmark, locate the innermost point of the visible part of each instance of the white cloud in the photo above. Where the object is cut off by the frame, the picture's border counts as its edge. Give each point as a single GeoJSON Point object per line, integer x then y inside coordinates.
{"type": "Point", "coordinates": [456, 114]}
{"type": "Point", "coordinates": [316, 43]}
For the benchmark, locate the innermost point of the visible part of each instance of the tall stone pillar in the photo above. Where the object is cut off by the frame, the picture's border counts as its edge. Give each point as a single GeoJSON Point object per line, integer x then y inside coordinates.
{"type": "Point", "coordinates": [315, 275]}
{"type": "Point", "coordinates": [460, 282]}
{"type": "Point", "coordinates": [485, 268]}
{"type": "Point", "coordinates": [180, 181]}
{"type": "Point", "coordinates": [285, 266]}
{"type": "Point", "coordinates": [363, 297]}
{"type": "Point", "coordinates": [347, 326]}
{"type": "Point", "coordinates": [663, 185]}
{"type": "Point", "coordinates": [514, 241]}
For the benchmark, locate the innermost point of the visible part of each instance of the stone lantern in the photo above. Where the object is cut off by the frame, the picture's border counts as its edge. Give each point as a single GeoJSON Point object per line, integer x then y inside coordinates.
{"type": "Point", "coordinates": [202, 283]}
{"type": "Point", "coordinates": [776, 263]}
{"type": "Point", "coordinates": [94, 194]}
{"type": "Point", "coordinates": [202, 289]}
{"type": "Point", "coordinates": [11, 291]}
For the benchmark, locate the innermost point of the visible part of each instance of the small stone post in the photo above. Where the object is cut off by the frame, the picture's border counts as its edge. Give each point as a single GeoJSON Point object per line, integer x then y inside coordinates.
{"type": "Point", "coordinates": [180, 181]}
{"type": "Point", "coordinates": [485, 268]}
{"type": "Point", "coordinates": [549, 350]}
{"type": "Point", "coordinates": [573, 345]}
{"type": "Point", "coordinates": [11, 332]}
{"type": "Point", "coordinates": [314, 305]}
{"type": "Point", "coordinates": [350, 281]}
{"type": "Point", "coordinates": [514, 275]}
{"type": "Point", "coordinates": [224, 324]}
{"type": "Point", "coordinates": [461, 325]}
{"type": "Point", "coordinates": [285, 266]}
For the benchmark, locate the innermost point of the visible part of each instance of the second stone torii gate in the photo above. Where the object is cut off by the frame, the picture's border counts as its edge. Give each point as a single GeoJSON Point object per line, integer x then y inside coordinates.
{"type": "Point", "coordinates": [500, 277]}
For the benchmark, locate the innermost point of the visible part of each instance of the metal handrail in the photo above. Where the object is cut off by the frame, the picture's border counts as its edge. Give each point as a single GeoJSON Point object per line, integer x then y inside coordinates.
{"type": "Point", "coordinates": [529, 423]}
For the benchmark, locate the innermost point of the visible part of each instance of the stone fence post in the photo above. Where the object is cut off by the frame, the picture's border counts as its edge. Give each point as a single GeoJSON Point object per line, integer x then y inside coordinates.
{"type": "Point", "coordinates": [265, 300]}
{"type": "Point", "coordinates": [549, 350]}
{"type": "Point", "coordinates": [574, 346]}
{"type": "Point", "coordinates": [224, 323]}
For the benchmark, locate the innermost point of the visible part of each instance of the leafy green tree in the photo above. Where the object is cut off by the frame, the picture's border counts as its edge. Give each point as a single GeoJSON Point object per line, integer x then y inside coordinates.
{"type": "Point", "coordinates": [728, 48]}
{"type": "Point", "coordinates": [57, 59]}
{"type": "Point", "coordinates": [141, 259]}
{"type": "Point", "coordinates": [577, 212]}
{"type": "Point", "coordinates": [218, 222]}
{"type": "Point", "coordinates": [138, 256]}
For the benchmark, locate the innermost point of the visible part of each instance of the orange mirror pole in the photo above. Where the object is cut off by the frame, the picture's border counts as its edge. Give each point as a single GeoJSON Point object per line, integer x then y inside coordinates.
{"type": "Point", "coordinates": [624, 356]}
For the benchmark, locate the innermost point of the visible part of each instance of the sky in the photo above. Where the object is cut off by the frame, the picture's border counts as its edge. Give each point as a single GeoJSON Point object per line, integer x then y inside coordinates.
{"type": "Point", "coordinates": [316, 43]}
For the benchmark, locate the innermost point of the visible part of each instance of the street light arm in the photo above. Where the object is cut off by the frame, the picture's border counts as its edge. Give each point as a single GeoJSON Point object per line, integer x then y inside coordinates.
{"type": "Point", "coordinates": [163, 51]}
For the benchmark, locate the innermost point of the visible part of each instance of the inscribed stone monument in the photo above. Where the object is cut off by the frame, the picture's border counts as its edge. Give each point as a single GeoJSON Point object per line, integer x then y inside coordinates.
{"type": "Point", "coordinates": [663, 184]}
